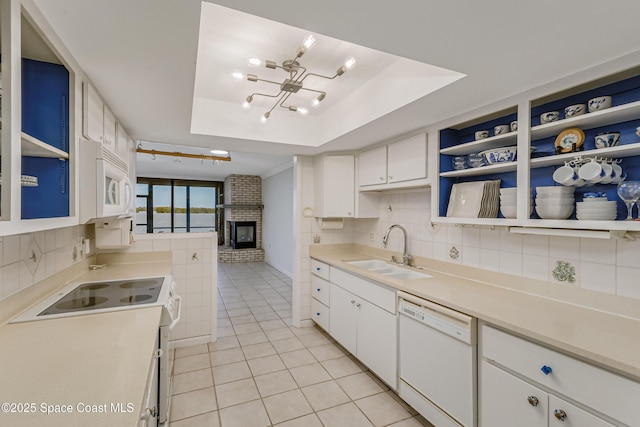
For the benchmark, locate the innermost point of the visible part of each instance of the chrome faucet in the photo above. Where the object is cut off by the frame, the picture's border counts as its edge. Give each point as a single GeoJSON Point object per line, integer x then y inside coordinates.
{"type": "Point", "coordinates": [406, 258]}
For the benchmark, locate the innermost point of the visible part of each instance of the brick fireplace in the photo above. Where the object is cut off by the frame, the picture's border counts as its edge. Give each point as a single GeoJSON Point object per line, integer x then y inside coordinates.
{"type": "Point", "coordinates": [242, 205]}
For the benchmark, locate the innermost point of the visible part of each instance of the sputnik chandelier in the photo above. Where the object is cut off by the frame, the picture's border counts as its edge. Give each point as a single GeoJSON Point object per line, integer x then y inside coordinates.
{"type": "Point", "coordinates": [295, 81]}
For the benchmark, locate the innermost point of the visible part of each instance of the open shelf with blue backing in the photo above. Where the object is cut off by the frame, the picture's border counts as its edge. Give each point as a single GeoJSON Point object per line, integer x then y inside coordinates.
{"type": "Point", "coordinates": [45, 139]}
{"type": "Point", "coordinates": [459, 140]}
{"type": "Point", "coordinates": [623, 116]}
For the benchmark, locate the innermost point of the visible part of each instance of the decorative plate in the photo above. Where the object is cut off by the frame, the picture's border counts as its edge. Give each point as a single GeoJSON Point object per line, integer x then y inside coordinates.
{"type": "Point", "coordinates": [569, 140]}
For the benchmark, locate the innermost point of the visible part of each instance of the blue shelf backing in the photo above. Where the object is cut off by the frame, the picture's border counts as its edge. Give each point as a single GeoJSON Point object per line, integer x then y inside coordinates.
{"type": "Point", "coordinates": [45, 112]}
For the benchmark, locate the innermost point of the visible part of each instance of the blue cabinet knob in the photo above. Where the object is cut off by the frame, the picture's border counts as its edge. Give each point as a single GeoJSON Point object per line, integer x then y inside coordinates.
{"type": "Point", "coordinates": [318, 289]}
{"type": "Point", "coordinates": [546, 369]}
{"type": "Point", "coordinates": [317, 268]}
{"type": "Point", "coordinates": [318, 314]}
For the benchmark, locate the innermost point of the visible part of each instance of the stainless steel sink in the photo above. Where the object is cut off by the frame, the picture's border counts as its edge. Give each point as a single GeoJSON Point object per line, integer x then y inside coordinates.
{"type": "Point", "coordinates": [388, 270]}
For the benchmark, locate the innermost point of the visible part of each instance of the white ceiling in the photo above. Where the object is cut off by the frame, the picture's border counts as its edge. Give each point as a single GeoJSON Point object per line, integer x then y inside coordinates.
{"type": "Point", "coordinates": [141, 55]}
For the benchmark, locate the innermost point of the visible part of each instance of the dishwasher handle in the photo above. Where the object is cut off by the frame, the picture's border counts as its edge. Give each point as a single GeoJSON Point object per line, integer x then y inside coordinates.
{"type": "Point", "coordinates": [453, 323]}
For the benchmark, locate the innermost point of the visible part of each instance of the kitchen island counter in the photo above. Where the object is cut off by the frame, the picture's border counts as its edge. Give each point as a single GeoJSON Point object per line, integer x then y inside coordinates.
{"type": "Point", "coordinates": [601, 329]}
{"type": "Point", "coordinates": [82, 370]}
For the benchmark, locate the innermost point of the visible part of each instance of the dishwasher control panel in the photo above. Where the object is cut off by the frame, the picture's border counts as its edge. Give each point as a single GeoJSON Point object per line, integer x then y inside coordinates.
{"type": "Point", "coordinates": [455, 327]}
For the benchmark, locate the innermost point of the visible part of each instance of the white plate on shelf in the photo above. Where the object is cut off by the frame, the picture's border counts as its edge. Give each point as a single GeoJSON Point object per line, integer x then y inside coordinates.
{"type": "Point", "coordinates": [465, 200]}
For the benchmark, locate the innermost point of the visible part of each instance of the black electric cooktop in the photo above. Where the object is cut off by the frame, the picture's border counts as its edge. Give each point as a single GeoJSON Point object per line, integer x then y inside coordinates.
{"type": "Point", "coordinates": [111, 294]}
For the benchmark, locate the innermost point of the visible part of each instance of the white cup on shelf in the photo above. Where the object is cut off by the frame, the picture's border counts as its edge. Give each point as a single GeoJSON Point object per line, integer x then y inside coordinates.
{"type": "Point", "coordinates": [591, 172]}
{"type": "Point", "coordinates": [566, 175]}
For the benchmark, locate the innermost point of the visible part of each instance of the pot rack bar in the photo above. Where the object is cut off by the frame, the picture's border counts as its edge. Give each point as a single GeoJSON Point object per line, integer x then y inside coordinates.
{"type": "Point", "coordinates": [178, 154]}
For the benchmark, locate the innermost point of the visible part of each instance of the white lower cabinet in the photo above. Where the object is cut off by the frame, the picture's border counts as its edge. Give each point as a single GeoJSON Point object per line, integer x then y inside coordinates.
{"type": "Point", "coordinates": [365, 329]}
{"type": "Point", "coordinates": [521, 383]}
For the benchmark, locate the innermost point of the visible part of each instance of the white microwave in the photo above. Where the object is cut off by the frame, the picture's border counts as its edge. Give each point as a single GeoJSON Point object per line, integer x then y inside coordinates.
{"type": "Point", "coordinates": [105, 188]}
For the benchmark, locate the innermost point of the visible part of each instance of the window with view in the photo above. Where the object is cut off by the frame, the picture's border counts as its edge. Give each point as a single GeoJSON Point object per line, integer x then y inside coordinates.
{"type": "Point", "coordinates": [176, 206]}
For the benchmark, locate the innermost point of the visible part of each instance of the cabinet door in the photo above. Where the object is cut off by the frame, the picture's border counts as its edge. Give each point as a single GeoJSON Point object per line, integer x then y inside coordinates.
{"type": "Point", "coordinates": [334, 191]}
{"type": "Point", "coordinates": [122, 143]}
{"type": "Point", "coordinates": [563, 413]}
{"type": "Point", "coordinates": [372, 167]}
{"type": "Point", "coordinates": [504, 400]}
{"type": "Point", "coordinates": [407, 159]}
{"type": "Point", "coordinates": [92, 113]}
{"type": "Point", "coordinates": [377, 341]}
{"type": "Point", "coordinates": [343, 315]}
{"type": "Point", "coordinates": [109, 121]}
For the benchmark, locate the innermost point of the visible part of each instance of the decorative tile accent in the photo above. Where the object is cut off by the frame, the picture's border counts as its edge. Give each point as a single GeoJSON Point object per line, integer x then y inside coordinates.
{"type": "Point", "coordinates": [564, 272]}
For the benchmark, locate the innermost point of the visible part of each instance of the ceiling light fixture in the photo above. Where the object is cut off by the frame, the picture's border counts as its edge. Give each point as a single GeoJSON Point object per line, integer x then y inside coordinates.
{"type": "Point", "coordinates": [295, 82]}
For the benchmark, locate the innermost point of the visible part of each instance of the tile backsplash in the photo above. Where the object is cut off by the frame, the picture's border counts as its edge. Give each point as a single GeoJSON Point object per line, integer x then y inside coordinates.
{"type": "Point", "coordinates": [608, 266]}
{"type": "Point", "coordinates": [28, 258]}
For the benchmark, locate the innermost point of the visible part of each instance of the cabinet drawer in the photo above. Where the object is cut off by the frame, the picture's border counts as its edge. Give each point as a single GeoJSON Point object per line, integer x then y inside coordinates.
{"type": "Point", "coordinates": [377, 294]}
{"type": "Point", "coordinates": [594, 387]}
{"type": "Point", "coordinates": [320, 289]}
{"type": "Point", "coordinates": [320, 314]}
{"type": "Point", "coordinates": [320, 269]}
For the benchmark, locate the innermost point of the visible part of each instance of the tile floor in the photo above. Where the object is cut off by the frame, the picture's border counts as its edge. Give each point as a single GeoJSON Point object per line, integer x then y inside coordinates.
{"type": "Point", "coordinates": [264, 372]}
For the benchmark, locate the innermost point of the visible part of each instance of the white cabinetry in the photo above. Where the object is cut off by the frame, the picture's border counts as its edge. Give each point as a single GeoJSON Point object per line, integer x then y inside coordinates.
{"type": "Point", "coordinates": [402, 164]}
{"type": "Point", "coordinates": [521, 384]}
{"type": "Point", "coordinates": [363, 320]}
{"type": "Point", "coordinates": [99, 123]}
{"type": "Point", "coordinates": [335, 191]}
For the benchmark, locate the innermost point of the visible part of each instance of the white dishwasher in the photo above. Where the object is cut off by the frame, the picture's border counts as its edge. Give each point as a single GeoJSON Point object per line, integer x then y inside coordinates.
{"type": "Point", "coordinates": [437, 361]}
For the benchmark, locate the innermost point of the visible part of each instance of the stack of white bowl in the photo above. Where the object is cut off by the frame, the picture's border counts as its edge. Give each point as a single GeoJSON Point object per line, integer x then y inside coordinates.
{"type": "Point", "coordinates": [508, 202]}
{"type": "Point", "coordinates": [555, 202]}
{"type": "Point", "coordinates": [596, 208]}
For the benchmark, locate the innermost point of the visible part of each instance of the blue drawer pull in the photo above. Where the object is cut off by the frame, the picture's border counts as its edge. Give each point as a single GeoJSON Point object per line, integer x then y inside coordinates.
{"type": "Point", "coordinates": [546, 369]}
{"type": "Point", "coordinates": [318, 289]}
{"type": "Point", "coordinates": [318, 314]}
{"type": "Point", "coordinates": [317, 268]}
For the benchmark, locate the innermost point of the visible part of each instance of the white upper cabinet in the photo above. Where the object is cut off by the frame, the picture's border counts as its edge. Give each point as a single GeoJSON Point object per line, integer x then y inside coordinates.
{"type": "Point", "coordinates": [109, 121]}
{"type": "Point", "coordinates": [407, 159]}
{"type": "Point", "coordinates": [92, 113]}
{"type": "Point", "coordinates": [401, 164]}
{"type": "Point", "coordinates": [122, 143]}
{"type": "Point", "coordinates": [335, 194]}
{"type": "Point", "coordinates": [372, 167]}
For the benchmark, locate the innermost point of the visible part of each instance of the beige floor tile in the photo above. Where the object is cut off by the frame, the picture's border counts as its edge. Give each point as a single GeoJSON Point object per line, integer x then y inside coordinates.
{"type": "Point", "coordinates": [252, 338]}
{"type": "Point", "coordinates": [265, 365]}
{"type": "Point", "coordinates": [224, 322]}
{"type": "Point", "coordinates": [326, 352]}
{"type": "Point", "coordinates": [279, 334]}
{"type": "Point", "coordinates": [247, 328]}
{"type": "Point", "coordinates": [382, 409]}
{"type": "Point", "coordinates": [193, 403]}
{"type": "Point", "coordinates": [344, 415]}
{"type": "Point", "coordinates": [286, 406]}
{"type": "Point", "coordinates": [191, 350]}
{"type": "Point", "coordinates": [224, 357]}
{"type": "Point", "coordinates": [235, 312]}
{"type": "Point", "coordinates": [193, 380]}
{"type": "Point", "coordinates": [236, 392]}
{"type": "Point", "coordinates": [250, 414]}
{"type": "Point", "coordinates": [260, 308]}
{"type": "Point", "coordinates": [224, 343]}
{"type": "Point", "coordinates": [231, 372]}
{"type": "Point", "coordinates": [297, 358]}
{"type": "Point", "coordinates": [275, 382]}
{"type": "Point", "coordinates": [242, 320]}
{"type": "Point", "coordinates": [325, 395]}
{"type": "Point", "coordinates": [272, 324]}
{"type": "Point", "coordinates": [310, 420]}
{"type": "Point", "coordinates": [191, 363]}
{"type": "Point", "coordinates": [210, 419]}
{"type": "Point", "coordinates": [226, 332]}
{"type": "Point", "coordinates": [411, 422]}
{"type": "Point", "coordinates": [310, 374]}
{"type": "Point", "coordinates": [341, 367]}
{"type": "Point", "coordinates": [314, 340]}
{"type": "Point", "coordinates": [287, 344]}
{"type": "Point", "coordinates": [270, 315]}
{"type": "Point", "coordinates": [307, 330]}
{"type": "Point", "coordinates": [258, 350]}
{"type": "Point", "coordinates": [359, 385]}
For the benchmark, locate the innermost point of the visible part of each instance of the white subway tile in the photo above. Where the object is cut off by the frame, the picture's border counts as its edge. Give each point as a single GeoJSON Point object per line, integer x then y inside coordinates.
{"type": "Point", "coordinates": [10, 249]}
{"type": "Point", "coordinates": [535, 245]}
{"type": "Point", "coordinates": [627, 284]}
{"type": "Point", "coordinates": [598, 277]}
{"type": "Point", "coordinates": [511, 263]}
{"type": "Point", "coordinates": [510, 242]}
{"type": "Point", "coordinates": [535, 266]}
{"type": "Point", "coordinates": [471, 237]}
{"type": "Point", "coordinates": [178, 244]}
{"type": "Point", "coordinates": [490, 259]}
{"type": "Point", "coordinates": [161, 245]}
{"type": "Point", "coordinates": [597, 250]}
{"type": "Point", "coordinates": [489, 239]}
{"type": "Point", "coordinates": [564, 271]}
{"type": "Point", "coordinates": [627, 252]}
{"type": "Point", "coordinates": [471, 256]}
{"type": "Point", "coordinates": [563, 247]}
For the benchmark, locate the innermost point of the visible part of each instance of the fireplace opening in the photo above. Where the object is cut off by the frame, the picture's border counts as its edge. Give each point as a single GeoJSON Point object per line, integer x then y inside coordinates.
{"type": "Point", "coordinates": [242, 234]}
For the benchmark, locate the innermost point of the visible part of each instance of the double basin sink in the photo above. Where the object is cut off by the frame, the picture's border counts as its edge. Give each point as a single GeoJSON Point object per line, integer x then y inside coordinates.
{"type": "Point", "coordinates": [388, 270]}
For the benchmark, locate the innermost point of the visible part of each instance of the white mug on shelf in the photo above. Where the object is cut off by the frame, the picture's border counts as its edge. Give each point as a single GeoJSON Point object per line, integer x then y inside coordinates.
{"type": "Point", "coordinates": [591, 172]}
{"type": "Point", "coordinates": [607, 171]}
{"type": "Point", "coordinates": [567, 175]}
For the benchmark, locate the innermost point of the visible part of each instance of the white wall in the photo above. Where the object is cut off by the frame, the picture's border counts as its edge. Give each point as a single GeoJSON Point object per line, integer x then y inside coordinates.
{"type": "Point", "coordinates": [277, 221]}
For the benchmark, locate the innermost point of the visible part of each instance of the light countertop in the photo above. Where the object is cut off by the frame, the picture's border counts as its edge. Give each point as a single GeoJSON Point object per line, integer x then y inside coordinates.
{"type": "Point", "coordinates": [94, 362]}
{"type": "Point", "coordinates": [599, 328]}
